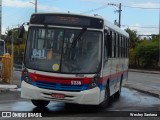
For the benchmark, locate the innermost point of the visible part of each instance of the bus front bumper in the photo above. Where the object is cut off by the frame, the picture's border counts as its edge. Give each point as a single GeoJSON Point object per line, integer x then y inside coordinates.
{"type": "Point", "coordinates": [89, 97]}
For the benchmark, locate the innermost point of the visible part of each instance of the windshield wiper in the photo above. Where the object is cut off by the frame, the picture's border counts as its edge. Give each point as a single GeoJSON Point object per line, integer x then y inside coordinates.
{"type": "Point", "coordinates": [74, 43]}
{"type": "Point", "coordinates": [72, 52]}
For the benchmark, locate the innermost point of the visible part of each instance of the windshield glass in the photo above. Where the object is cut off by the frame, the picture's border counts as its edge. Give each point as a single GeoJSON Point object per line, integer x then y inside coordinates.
{"type": "Point", "coordinates": [63, 50]}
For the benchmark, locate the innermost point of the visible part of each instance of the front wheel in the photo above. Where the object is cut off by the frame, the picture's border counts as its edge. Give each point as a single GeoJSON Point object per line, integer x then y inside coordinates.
{"type": "Point", "coordinates": [40, 103]}
{"type": "Point", "coordinates": [104, 104]}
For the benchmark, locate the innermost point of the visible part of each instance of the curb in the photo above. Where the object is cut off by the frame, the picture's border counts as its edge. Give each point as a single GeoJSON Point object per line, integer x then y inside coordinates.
{"type": "Point", "coordinates": [6, 88]}
{"type": "Point", "coordinates": [141, 88]}
{"type": "Point", "coordinates": [144, 71]}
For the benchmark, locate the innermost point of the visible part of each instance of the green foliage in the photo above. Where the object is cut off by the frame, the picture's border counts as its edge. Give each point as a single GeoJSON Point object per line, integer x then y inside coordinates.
{"type": "Point", "coordinates": [18, 49]}
{"type": "Point", "coordinates": [19, 44]}
{"type": "Point", "coordinates": [132, 57]}
{"type": "Point", "coordinates": [133, 39]}
{"type": "Point", "coordinates": [13, 35]}
{"type": "Point", "coordinates": [143, 53]}
{"type": "Point", "coordinates": [147, 53]}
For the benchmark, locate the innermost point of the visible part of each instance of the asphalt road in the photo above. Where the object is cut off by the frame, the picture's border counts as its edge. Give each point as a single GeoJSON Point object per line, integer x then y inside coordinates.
{"type": "Point", "coordinates": [146, 79]}
{"type": "Point", "coordinates": [130, 100]}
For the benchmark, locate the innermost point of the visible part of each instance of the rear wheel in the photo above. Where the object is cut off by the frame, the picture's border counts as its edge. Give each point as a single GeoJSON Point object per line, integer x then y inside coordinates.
{"type": "Point", "coordinates": [118, 93]}
{"type": "Point", "coordinates": [40, 103]}
{"type": "Point", "coordinates": [104, 104]}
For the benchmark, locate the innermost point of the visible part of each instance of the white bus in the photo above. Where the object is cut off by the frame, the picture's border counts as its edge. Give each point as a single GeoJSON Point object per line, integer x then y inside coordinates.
{"type": "Point", "coordinates": [73, 59]}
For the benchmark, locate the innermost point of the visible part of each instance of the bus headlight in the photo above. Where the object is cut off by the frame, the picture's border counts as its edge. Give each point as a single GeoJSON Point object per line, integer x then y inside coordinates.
{"type": "Point", "coordinates": [27, 80]}
{"type": "Point", "coordinates": [25, 76]}
{"type": "Point", "coordinates": [94, 82]}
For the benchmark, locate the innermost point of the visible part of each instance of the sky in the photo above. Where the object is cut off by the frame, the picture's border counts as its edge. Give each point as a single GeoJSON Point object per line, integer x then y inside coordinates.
{"type": "Point", "coordinates": [144, 21]}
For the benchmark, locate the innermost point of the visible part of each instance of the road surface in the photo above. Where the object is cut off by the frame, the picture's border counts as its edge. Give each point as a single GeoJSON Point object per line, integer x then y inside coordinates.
{"type": "Point", "coordinates": [146, 79]}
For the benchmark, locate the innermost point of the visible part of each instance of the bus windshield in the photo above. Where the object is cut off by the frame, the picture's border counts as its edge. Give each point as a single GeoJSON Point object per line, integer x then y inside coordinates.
{"type": "Point", "coordinates": [63, 50]}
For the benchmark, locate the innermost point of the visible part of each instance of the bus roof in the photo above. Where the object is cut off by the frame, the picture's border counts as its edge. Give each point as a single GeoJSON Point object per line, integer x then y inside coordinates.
{"type": "Point", "coordinates": [115, 28]}
{"type": "Point", "coordinates": [70, 14]}
{"type": "Point", "coordinates": [106, 22]}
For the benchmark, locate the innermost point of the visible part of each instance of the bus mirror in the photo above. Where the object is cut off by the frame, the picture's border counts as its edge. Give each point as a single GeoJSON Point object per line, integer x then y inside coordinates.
{"type": "Point", "coordinates": [21, 31]}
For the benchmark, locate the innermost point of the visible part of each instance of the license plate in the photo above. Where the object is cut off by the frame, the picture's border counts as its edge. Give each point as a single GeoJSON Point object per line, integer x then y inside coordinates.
{"type": "Point", "coordinates": [56, 95]}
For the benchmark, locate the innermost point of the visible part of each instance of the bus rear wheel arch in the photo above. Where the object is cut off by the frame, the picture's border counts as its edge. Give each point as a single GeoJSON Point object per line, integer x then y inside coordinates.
{"type": "Point", "coordinates": [40, 103]}
{"type": "Point", "coordinates": [118, 93]}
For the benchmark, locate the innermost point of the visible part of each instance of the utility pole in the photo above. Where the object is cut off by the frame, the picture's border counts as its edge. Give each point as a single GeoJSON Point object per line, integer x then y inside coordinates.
{"type": "Point", "coordinates": [119, 11]}
{"type": "Point", "coordinates": [35, 6]}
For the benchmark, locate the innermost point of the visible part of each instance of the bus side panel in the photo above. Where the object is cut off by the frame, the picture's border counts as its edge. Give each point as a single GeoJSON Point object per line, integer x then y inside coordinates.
{"type": "Point", "coordinates": [122, 72]}
{"type": "Point", "coordinates": [113, 78]}
{"type": "Point", "coordinates": [119, 69]}
{"type": "Point", "coordinates": [106, 69]}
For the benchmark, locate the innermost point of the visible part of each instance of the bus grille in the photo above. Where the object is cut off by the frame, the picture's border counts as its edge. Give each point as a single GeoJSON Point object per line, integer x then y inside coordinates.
{"type": "Point", "coordinates": [60, 87]}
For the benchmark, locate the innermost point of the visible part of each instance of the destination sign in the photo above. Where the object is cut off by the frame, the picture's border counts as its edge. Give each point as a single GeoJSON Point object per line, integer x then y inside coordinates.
{"type": "Point", "coordinates": [67, 20]}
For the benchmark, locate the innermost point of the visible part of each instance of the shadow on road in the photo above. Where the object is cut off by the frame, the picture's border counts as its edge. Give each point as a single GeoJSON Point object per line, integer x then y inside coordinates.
{"type": "Point", "coordinates": [73, 109]}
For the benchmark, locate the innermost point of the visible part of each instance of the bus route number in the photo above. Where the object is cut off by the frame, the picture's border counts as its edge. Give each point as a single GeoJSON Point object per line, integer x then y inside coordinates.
{"type": "Point", "coordinates": [39, 53]}
{"type": "Point", "coordinates": [74, 82]}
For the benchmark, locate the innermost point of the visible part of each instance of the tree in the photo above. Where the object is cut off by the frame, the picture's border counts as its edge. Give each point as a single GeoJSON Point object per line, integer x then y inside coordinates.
{"type": "Point", "coordinates": [133, 39]}
{"type": "Point", "coordinates": [147, 53]}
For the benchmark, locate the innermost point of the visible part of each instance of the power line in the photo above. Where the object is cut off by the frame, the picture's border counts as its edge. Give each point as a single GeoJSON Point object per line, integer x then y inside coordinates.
{"type": "Point", "coordinates": [140, 26]}
{"type": "Point", "coordinates": [95, 9]}
{"type": "Point", "coordinates": [139, 7]}
{"type": "Point", "coordinates": [105, 5]}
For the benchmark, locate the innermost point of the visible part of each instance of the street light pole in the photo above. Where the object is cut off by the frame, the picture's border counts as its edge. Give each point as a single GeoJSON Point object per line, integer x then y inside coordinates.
{"type": "Point", "coordinates": [159, 38]}
{"type": "Point", "coordinates": [12, 55]}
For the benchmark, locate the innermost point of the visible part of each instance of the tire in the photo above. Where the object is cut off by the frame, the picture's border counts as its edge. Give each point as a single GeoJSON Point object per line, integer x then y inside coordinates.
{"type": "Point", "coordinates": [104, 104]}
{"type": "Point", "coordinates": [118, 93]}
{"type": "Point", "coordinates": [40, 103]}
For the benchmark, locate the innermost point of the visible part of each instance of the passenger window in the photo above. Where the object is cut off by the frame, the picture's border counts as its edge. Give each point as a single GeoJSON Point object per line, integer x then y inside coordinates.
{"type": "Point", "coordinates": [108, 42]}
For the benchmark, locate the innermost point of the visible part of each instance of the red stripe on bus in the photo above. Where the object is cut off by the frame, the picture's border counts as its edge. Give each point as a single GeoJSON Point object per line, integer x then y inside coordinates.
{"type": "Point", "coordinates": [62, 80]}
{"type": "Point", "coordinates": [111, 77]}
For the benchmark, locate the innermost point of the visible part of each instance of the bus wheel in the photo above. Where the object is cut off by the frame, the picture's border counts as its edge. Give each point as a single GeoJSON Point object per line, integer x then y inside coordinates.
{"type": "Point", "coordinates": [104, 104]}
{"type": "Point", "coordinates": [118, 93]}
{"type": "Point", "coordinates": [40, 103]}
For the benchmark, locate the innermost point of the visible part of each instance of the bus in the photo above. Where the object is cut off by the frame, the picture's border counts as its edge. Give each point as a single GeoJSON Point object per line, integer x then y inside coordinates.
{"type": "Point", "coordinates": [2, 47]}
{"type": "Point", "coordinates": [75, 59]}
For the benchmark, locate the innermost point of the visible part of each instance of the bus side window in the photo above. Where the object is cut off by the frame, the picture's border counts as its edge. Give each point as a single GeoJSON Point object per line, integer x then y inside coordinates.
{"type": "Point", "coordinates": [113, 44]}
{"type": "Point", "coordinates": [127, 47]}
{"type": "Point", "coordinates": [108, 44]}
{"type": "Point", "coordinates": [124, 47]}
{"type": "Point", "coordinates": [117, 46]}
